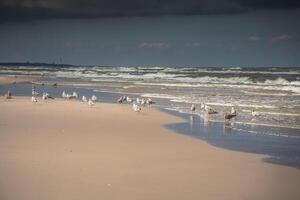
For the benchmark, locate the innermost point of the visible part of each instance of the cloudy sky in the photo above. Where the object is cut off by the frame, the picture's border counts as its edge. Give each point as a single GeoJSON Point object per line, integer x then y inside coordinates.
{"type": "Point", "coordinates": [151, 32]}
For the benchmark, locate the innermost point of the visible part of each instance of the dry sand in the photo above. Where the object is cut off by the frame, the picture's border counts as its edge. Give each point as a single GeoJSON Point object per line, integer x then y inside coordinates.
{"type": "Point", "coordinates": [61, 150]}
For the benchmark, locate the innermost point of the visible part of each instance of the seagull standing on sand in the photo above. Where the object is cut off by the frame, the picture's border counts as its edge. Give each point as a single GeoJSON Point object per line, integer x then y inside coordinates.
{"type": "Point", "coordinates": [8, 95]}
{"type": "Point", "coordinates": [91, 103]}
{"type": "Point", "coordinates": [33, 99]}
{"type": "Point", "coordinates": [138, 101]}
{"type": "Point", "coordinates": [45, 96]}
{"type": "Point", "coordinates": [143, 102]}
{"type": "Point", "coordinates": [120, 100]}
{"type": "Point", "coordinates": [193, 108]}
{"type": "Point", "coordinates": [64, 95]}
{"type": "Point", "coordinates": [84, 99]}
{"type": "Point", "coordinates": [75, 95]}
{"type": "Point", "coordinates": [94, 98]}
{"type": "Point", "coordinates": [128, 99]}
{"type": "Point", "coordinates": [33, 92]}
{"type": "Point", "coordinates": [136, 108]}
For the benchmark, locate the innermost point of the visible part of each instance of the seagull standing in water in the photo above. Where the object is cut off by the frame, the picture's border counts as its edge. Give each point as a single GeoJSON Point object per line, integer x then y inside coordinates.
{"type": "Point", "coordinates": [149, 101]}
{"type": "Point", "coordinates": [255, 113]}
{"type": "Point", "coordinates": [202, 106]}
{"type": "Point", "coordinates": [193, 108]}
{"type": "Point", "coordinates": [230, 115]}
{"type": "Point", "coordinates": [209, 110]}
{"type": "Point", "coordinates": [233, 111]}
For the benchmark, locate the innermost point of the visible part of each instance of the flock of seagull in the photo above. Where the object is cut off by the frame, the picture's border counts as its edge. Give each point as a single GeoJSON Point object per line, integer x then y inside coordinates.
{"type": "Point", "coordinates": [227, 116]}
{"type": "Point", "coordinates": [136, 103]}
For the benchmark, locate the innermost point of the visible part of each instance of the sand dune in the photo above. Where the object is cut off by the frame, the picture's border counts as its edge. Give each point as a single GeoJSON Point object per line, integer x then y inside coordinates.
{"type": "Point", "coordinates": [61, 150]}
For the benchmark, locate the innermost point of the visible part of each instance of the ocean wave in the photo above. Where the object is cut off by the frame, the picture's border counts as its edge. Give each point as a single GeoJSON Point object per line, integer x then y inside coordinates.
{"type": "Point", "coordinates": [161, 96]}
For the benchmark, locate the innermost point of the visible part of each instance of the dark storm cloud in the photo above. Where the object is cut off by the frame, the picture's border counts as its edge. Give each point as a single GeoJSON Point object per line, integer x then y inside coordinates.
{"type": "Point", "coordinates": [19, 10]}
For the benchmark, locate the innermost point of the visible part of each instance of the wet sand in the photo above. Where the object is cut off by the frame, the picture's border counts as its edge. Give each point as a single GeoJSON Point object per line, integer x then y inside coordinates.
{"type": "Point", "coordinates": [61, 149]}
{"type": "Point", "coordinates": [14, 79]}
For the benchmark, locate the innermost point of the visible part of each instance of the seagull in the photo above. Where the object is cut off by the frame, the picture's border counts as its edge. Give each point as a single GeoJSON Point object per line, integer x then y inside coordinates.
{"type": "Point", "coordinates": [8, 95]}
{"type": "Point", "coordinates": [120, 100]}
{"type": "Point", "coordinates": [33, 92]}
{"type": "Point", "coordinates": [94, 98]}
{"type": "Point", "coordinates": [84, 99]}
{"type": "Point", "coordinates": [33, 99]}
{"type": "Point", "coordinates": [68, 96]}
{"type": "Point", "coordinates": [64, 95]}
{"type": "Point", "coordinates": [143, 102]}
{"type": "Point", "coordinates": [128, 99]}
{"type": "Point", "coordinates": [209, 110]}
{"type": "Point", "coordinates": [75, 95]}
{"type": "Point", "coordinates": [136, 108]}
{"type": "Point", "coordinates": [45, 96]}
{"type": "Point", "coordinates": [202, 106]}
{"type": "Point", "coordinates": [230, 115]}
{"type": "Point", "coordinates": [255, 114]}
{"type": "Point", "coordinates": [149, 101]}
{"type": "Point", "coordinates": [138, 101]}
{"type": "Point", "coordinates": [91, 103]}
{"type": "Point", "coordinates": [193, 108]}
{"type": "Point", "coordinates": [233, 111]}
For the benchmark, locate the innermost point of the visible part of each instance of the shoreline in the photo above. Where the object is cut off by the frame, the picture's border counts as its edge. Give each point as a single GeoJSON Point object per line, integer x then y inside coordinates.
{"type": "Point", "coordinates": [277, 143]}
{"type": "Point", "coordinates": [15, 79]}
{"type": "Point", "coordinates": [64, 149]}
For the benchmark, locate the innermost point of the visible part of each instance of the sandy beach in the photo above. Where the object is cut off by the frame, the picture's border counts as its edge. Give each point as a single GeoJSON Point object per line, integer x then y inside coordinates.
{"type": "Point", "coordinates": [61, 149]}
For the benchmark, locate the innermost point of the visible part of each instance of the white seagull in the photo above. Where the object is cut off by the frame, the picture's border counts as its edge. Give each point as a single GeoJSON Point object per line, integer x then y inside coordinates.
{"type": "Point", "coordinates": [138, 101]}
{"type": "Point", "coordinates": [64, 95]}
{"type": "Point", "coordinates": [84, 99]}
{"type": "Point", "coordinates": [233, 111]}
{"type": "Point", "coordinates": [202, 106]}
{"type": "Point", "coordinates": [255, 113]}
{"type": "Point", "coordinates": [128, 99]}
{"type": "Point", "coordinates": [45, 96]}
{"type": "Point", "coordinates": [94, 98]}
{"type": "Point", "coordinates": [143, 102]}
{"type": "Point", "coordinates": [136, 108]}
{"type": "Point", "coordinates": [75, 95]}
{"type": "Point", "coordinates": [91, 103]}
{"type": "Point", "coordinates": [33, 99]}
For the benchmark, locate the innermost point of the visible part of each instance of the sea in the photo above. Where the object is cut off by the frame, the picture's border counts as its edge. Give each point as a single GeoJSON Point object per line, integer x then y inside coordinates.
{"type": "Point", "coordinates": [272, 92]}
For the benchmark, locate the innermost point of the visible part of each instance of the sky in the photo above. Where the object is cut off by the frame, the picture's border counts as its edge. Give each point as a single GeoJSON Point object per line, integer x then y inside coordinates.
{"type": "Point", "coordinates": [208, 33]}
